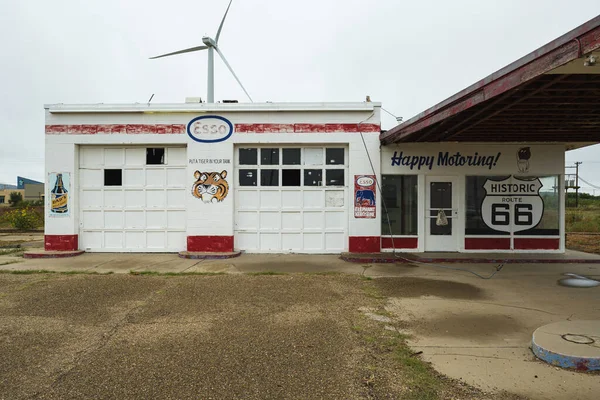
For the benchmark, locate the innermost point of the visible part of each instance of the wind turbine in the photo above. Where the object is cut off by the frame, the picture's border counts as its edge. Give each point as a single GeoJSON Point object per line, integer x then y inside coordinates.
{"type": "Point", "coordinates": [211, 45]}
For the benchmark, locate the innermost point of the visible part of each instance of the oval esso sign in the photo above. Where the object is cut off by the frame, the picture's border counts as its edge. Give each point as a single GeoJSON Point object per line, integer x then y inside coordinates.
{"type": "Point", "coordinates": [365, 181]}
{"type": "Point", "coordinates": [209, 129]}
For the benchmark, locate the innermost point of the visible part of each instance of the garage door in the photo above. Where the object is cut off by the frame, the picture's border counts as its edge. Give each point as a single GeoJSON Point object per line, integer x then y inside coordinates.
{"type": "Point", "coordinates": [291, 199]}
{"type": "Point", "coordinates": [132, 199]}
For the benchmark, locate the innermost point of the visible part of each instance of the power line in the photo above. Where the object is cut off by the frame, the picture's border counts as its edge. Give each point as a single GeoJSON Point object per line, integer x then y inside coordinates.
{"type": "Point", "coordinates": [591, 184]}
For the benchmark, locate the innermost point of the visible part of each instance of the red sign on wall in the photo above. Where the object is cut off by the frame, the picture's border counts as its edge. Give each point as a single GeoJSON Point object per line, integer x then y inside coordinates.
{"type": "Point", "coordinates": [364, 196]}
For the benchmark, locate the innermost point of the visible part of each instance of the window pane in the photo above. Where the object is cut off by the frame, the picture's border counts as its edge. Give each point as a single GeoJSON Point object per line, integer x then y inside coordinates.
{"type": "Point", "coordinates": [291, 156]}
{"type": "Point", "coordinates": [334, 156]}
{"type": "Point", "coordinates": [436, 230]}
{"type": "Point", "coordinates": [313, 177]}
{"type": "Point", "coordinates": [400, 197]}
{"type": "Point", "coordinates": [334, 177]}
{"type": "Point", "coordinates": [549, 224]}
{"type": "Point", "coordinates": [313, 156]}
{"type": "Point", "coordinates": [269, 177]}
{"type": "Point", "coordinates": [269, 156]}
{"type": "Point", "coordinates": [248, 157]}
{"type": "Point", "coordinates": [155, 156]}
{"type": "Point", "coordinates": [247, 177]}
{"type": "Point", "coordinates": [475, 194]}
{"type": "Point", "coordinates": [441, 195]}
{"type": "Point", "coordinates": [290, 177]}
{"type": "Point", "coordinates": [113, 177]}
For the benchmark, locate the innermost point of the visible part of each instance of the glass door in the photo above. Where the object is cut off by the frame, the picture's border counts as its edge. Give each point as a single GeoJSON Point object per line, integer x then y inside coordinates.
{"type": "Point", "coordinates": [441, 213]}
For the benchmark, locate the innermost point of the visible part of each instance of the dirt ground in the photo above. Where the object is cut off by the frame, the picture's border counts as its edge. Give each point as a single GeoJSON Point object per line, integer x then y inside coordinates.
{"type": "Point", "coordinates": [224, 336]}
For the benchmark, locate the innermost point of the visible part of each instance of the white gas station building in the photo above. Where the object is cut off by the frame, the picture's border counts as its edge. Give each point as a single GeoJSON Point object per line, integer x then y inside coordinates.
{"type": "Point", "coordinates": [482, 171]}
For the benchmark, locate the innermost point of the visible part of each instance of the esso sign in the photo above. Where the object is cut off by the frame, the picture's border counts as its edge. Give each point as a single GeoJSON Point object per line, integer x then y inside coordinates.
{"type": "Point", "coordinates": [365, 181]}
{"type": "Point", "coordinates": [209, 129]}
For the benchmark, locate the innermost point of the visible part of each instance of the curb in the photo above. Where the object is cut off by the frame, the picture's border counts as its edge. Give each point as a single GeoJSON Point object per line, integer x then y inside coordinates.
{"type": "Point", "coordinates": [208, 256]}
{"type": "Point", "coordinates": [553, 357]}
{"type": "Point", "coordinates": [377, 258]}
{"type": "Point", "coordinates": [52, 254]}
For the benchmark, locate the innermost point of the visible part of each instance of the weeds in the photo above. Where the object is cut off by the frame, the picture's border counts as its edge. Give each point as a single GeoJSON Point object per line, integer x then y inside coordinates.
{"type": "Point", "coordinates": [156, 273]}
{"type": "Point", "coordinates": [8, 251]}
{"type": "Point", "coordinates": [265, 273]}
{"type": "Point", "coordinates": [420, 380]}
{"type": "Point", "coordinates": [45, 271]}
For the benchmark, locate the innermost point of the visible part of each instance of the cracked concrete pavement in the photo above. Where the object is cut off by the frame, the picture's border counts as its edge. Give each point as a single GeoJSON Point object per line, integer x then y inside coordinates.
{"type": "Point", "coordinates": [471, 329]}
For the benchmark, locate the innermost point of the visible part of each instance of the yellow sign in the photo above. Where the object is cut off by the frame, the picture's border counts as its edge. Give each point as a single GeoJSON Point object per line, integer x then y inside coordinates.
{"type": "Point", "coordinates": [59, 202]}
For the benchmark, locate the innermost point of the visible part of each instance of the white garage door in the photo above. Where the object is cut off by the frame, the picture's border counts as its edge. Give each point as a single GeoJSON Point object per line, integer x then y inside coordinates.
{"type": "Point", "coordinates": [291, 199]}
{"type": "Point", "coordinates": [132, 199]}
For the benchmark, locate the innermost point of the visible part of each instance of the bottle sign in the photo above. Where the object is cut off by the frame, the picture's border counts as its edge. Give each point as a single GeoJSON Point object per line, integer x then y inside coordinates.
{"type": "Point", "coordinates": [59, 197]}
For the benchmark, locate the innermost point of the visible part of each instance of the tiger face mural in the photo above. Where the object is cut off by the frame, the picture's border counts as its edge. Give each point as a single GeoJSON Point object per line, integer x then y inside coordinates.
{"type": "Point", "coordinates": [210, 187]}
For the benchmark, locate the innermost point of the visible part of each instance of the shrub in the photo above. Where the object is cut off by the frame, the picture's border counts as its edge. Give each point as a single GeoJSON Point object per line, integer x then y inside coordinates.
{"type": "Point", "coordinates": [30, 203]}
{"type": "Point", "coordinates": [15, 198]}
{"type": "Point", "coordinates": [23, 218]}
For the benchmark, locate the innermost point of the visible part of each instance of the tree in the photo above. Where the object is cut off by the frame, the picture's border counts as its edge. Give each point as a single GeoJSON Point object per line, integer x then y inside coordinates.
{"type": "Point", "coordinates": [15, 198]}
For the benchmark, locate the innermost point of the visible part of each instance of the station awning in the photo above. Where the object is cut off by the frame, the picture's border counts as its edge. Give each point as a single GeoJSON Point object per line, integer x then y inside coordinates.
{"type": "Point", "coordinates": [550, 95]}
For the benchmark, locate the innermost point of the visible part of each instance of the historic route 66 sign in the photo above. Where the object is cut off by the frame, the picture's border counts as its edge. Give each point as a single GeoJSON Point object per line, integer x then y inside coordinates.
{"type": "Point", "coordinates": [512, 205]}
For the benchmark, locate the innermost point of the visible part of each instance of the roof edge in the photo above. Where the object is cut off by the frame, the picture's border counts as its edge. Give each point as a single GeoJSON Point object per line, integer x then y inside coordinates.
{"type": "Point", "coordinates": [573, 35]}
{"type": "Point", "coordinates": [212, 107]}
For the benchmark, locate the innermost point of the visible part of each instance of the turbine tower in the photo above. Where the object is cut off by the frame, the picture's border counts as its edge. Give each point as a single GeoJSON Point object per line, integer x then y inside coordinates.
{"type": "Point", "coordinates": [211, 45]}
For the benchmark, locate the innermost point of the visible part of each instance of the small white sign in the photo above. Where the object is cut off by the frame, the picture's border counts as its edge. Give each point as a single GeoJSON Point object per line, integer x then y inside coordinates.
{"type": "Point", "coordinates": [512, 205]}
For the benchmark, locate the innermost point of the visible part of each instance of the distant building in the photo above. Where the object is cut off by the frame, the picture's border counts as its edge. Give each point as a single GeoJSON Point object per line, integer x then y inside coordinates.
{"type": "Point", "coordinates": [33, 190]}
{"type": "Point", "coordinates": [30, 190]}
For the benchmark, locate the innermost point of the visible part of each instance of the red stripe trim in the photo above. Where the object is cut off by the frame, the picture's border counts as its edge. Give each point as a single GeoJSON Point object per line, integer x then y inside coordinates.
{"type": "Point", "coordinates": [210, 244]}
{"type": "Point", "coordinates": [306, 128]}
{"type": "Point", "coordinates": [61, 242]}
{"type": "Point", "coordinates": [178, 129]}
{"type": "Point", "coordinates": [487, 243]}
{"type": "Point", "coordinates": [364, 244]}
{"type": "Point", "coordinates": [536, 244]}
{"type": "Point", "coordinates": [399, 243]}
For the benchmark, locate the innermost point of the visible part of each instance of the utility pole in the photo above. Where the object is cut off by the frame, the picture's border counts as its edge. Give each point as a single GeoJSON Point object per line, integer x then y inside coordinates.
{"type": "Point", "coordinates": [577, 163]}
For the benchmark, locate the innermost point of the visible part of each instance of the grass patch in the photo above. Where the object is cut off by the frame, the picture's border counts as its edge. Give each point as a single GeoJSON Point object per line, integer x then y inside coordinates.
{"type": "Point", "coordinates": [26, 271]}
{"type": "Point", "coordinates": [10, 262]}
{"type": "Point", "coordinates": [419, 381]}
{"type": "Point", "coordinates": [156, 273]}
{"type": "Point", "coordinates": [266, 273]}
{"type": "Point", "coordinates": [326, 273]}
{"type": "Point", "coordinates": [582, 220]}
{"type": "Point", "coordinates": [8, 251]}
{"type": "Point", "coordinates": [45, 271]}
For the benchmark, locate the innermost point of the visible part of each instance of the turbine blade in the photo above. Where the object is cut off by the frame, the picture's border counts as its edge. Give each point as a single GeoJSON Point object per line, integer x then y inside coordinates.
{"type": "Point", "coordinates": [233, 73]}
{"type": "Point", "coordinates": [197, 48]}
{"type": "Point", "coordinates": [221, 26]}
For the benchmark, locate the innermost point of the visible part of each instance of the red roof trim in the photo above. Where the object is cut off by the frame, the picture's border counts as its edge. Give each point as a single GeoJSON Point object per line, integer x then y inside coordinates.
{"type": "Point", "coordinates": [581, 40]}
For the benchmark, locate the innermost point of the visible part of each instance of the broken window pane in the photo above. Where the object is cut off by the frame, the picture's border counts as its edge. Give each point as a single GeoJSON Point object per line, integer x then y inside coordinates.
{"type": "Point", "coordinates": [155, 155]}
{"type": "Point", "coordinates": [290, 177]}
{"type": "Point", "coordinates": [113, 177]}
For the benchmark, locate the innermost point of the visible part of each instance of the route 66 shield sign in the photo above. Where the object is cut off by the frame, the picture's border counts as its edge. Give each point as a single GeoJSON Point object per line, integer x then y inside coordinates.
{"type": "Point", "coordinates": [512, 205]}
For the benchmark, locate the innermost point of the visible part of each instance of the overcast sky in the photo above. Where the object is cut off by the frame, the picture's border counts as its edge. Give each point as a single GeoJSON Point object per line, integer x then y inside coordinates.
{"type": "Point", "coordinates": [409, 55]}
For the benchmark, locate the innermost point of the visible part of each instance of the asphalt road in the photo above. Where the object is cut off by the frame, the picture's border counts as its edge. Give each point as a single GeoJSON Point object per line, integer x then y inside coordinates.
{"type": "Point", "coordinates": [134, 337]}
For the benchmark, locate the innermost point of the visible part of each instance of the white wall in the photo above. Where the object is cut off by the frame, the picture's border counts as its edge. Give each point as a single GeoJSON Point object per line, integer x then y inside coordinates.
{"type": "Point", "coordinates": [217, 218]}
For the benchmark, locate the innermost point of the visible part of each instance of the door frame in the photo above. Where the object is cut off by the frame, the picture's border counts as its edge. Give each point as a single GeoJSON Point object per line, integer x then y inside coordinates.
{"type": "Point", "coordinates": [452, 242]}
